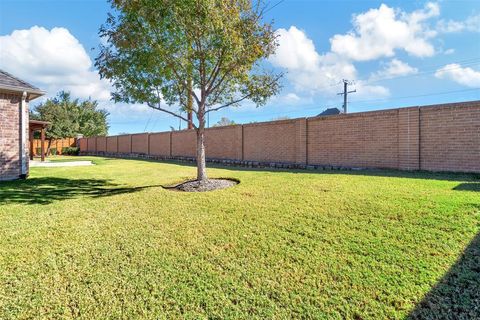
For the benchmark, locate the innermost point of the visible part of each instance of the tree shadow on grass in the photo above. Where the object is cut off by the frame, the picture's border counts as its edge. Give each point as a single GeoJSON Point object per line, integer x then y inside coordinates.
{"type": "Point", "coordinates": [457, 294]}
{"type": "Point", "coordinates": [46, 190]}
{"type": "Point", "coordinates": [472, 186]}
{"type": "Point", "coordinates": [392, 173]}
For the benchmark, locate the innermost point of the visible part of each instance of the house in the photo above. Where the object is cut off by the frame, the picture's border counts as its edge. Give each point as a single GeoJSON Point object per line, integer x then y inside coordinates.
{"type": "Point", "coordinates": [15, 94]}
{"type": "Point", "coordinates": [330, 112]}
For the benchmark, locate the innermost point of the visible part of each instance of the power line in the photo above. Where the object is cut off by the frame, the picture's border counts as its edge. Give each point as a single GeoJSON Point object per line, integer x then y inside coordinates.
{"type": "Point", "coordinates": [334, 106]}
{"type": "Point", "coordinates": [272, 7]}
{"type": "Point", "coordinates": [465, 64]}
{"type": "Point", "coordinates": [417, 96]}
{"type": "Point", "coordinates": [148, 122]}
{"type": "Point", "coordinates": [361, 101]}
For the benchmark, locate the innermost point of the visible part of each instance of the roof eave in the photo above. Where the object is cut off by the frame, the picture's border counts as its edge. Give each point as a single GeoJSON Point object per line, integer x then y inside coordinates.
{"type": "Point", "coordinates": [33, 93]}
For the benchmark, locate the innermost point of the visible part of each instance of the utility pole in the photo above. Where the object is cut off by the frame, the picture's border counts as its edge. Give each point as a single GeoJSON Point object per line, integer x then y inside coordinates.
{"type": "Point", "coordinates": [345, 93]}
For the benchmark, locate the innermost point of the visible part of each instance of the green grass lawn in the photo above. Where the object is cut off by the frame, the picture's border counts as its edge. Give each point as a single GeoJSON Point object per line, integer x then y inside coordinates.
{"type": "Point", "coordinates": [108, 242]}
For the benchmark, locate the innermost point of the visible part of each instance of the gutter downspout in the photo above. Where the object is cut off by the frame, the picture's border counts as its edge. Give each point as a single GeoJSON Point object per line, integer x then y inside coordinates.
{"type": "Point", "coordinates": [23, 137]}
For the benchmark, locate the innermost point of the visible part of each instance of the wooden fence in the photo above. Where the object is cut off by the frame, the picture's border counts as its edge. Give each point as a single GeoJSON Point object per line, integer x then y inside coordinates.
{"type": "Point", "coordinates": [56, 146]}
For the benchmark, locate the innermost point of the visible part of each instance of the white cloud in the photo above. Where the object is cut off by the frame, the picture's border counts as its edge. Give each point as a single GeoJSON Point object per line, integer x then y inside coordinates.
{"type": "Point", "coordinates": [308, 71]}
{"type": "Point", "coordinates": [368, 91]}
{"type": "Point", "coordinates": [449, 51]}
{"type": "Point", "coordinates": [313, 73]}
{"type": "Point", "coordinates": [291, 98]}
{"type": "Point", "coordinates": [52, 59]}
{"type": "Point", "coordinates": [471, 24]}
{"type": "Point", "coordinates": [296, 51]}
{"type": "Point", "coordinates": [379, 32]}
{"type": "Point", "coordinates": [462, 75]}
{"type": "Point", "coordinates": [395, 68]}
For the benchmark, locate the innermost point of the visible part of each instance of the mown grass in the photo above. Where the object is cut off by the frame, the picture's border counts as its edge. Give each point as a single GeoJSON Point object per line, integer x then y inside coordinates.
{"type": "Point", "coordinates": [108, 242]}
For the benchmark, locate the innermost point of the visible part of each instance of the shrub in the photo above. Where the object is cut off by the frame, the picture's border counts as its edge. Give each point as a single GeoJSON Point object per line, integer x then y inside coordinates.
{"type": "Point", "coordinates": [70, 151]}
{"type": "Point", "coordinates": [53, 151]}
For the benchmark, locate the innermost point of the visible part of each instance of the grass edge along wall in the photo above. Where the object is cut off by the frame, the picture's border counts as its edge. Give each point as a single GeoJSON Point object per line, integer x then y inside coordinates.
{"type": "Point", "coordinates": [444, 137]}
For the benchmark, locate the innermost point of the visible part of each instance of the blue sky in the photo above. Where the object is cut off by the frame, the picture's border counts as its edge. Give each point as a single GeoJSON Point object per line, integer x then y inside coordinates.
{"type": "Point", "coordinates": [398, 53]}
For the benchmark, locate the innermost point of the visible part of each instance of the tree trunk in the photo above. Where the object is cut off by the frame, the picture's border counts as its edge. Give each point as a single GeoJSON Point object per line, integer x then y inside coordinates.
{"type": "Point", "coordinates": [190, 120]}
{"type": "Point", "coordinates": [49, 146]}
{"type": "Point", "coordinates": [201, 166]}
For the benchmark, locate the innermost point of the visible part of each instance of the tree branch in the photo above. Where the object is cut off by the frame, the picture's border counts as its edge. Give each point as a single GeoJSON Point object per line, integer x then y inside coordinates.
{"type": "Point", "coordinates": [213, 76]}
{"type": "Point", "coordinates": [240, 99]}
{"type": "Point", "coordinates": [169, 112]}
{"type": "Point", "coordinates": [229, 104]}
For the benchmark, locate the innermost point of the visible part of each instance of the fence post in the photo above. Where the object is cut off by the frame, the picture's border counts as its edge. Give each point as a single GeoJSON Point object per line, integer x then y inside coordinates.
{"type": "Point", "coordinates": [243, 145]}
{"type": "Point", "coordinates": [408, 151]}
{"type": "Point", "coordinates": [148, 143]}
{"type": "Point", "coordinates": [306, 141]}
{"type": "Point", "coordinates": [131, 142]}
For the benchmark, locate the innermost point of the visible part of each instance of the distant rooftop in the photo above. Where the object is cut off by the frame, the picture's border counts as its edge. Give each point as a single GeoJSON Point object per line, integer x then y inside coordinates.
{"type": "Point", "coordinates": [330, 112]}
{"type": "Point", "coordinates": [11, 83]}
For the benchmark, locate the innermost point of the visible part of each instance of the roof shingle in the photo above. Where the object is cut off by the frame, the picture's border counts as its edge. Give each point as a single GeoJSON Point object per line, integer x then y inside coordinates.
{"type": "Point", "coordinates": [330, 112]}
{"type": "Point", "coordinates": [12, 83]}
{"type": "Point", "coordinates": [6, 79]}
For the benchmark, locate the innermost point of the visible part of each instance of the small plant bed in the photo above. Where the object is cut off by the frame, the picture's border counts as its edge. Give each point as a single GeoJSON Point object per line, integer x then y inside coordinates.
{"type": "Point", "coordinates": [203, 186]}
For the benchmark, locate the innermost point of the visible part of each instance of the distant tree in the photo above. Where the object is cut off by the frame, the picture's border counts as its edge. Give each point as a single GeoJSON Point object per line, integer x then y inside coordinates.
{"type": "Point", "coordinates": [168, 53]}
{"type": "Point", "coordinates": [69, 117]}
{"type": "Point", "coordinates": [224, 121]}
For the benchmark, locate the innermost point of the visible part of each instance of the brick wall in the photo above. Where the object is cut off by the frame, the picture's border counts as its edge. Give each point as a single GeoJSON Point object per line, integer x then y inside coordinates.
{"type": "Point", "coordinates": [102, 144]}
{"type": "Point", "coordinates": [436, 138]}
{"type": "Point", "coordinates": [124, 144]}
{"type": "Point", "coordinates": [92, 144]}
{"type": "Point", "coordinates": [367, 140]}
{"type": "Point", "coordinates": [83, 144]}
{"type": "Point", "coordinates": [10, 161]}
{"type": "Point", "coordinates": [450, 137]}
{"type": "Point", "coordinates": [224, 142]}
{"type": "Point", "coordinates": [140, 143]}
{"type": "Point", "coordinates": [184, 143]}
{"type": "Point", "coordinates": [112, 143]}
{"type": "Point", "coordinates": [409, 138]}
{"type": "Point", "coordinates": [160, 144]}
{"type": "Point", "coordinates": [270, 141]}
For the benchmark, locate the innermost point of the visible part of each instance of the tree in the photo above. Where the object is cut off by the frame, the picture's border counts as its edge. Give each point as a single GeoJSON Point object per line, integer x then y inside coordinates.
{"type": "Point", "coordinates": [69, 118]}
{"type": "Point", "coordinates": [224, 121]}
{"type": "Point", "coordinates": [155, 48]}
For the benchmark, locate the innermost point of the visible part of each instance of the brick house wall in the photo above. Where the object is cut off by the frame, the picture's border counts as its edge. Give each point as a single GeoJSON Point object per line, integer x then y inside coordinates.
{"type": "Point", "coordinates": [435, 138]}
{"type": "Point", "coordinates": [10, 149]}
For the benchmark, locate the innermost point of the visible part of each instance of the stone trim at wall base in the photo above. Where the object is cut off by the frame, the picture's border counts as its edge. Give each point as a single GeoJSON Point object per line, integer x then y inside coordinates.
{"type": "Point", "coordinates": [13, 178]}
{"type": "Point", "coordinates": [232, 163]}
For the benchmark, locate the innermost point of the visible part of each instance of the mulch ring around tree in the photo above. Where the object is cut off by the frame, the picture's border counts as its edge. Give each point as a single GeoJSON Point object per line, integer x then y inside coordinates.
{"type": "Point", "coordinates": [203, 186]}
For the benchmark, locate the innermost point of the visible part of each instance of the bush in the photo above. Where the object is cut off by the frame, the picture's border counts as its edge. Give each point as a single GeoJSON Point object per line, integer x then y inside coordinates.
{"type": "Point", "coordinates": [70, 151]}
{"type": "Point", "coordinates": [53, 151]}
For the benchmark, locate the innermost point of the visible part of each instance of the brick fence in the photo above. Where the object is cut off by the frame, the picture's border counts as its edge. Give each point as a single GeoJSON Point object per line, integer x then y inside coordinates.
{"type": "Point", "coordinates": [435, 138]}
